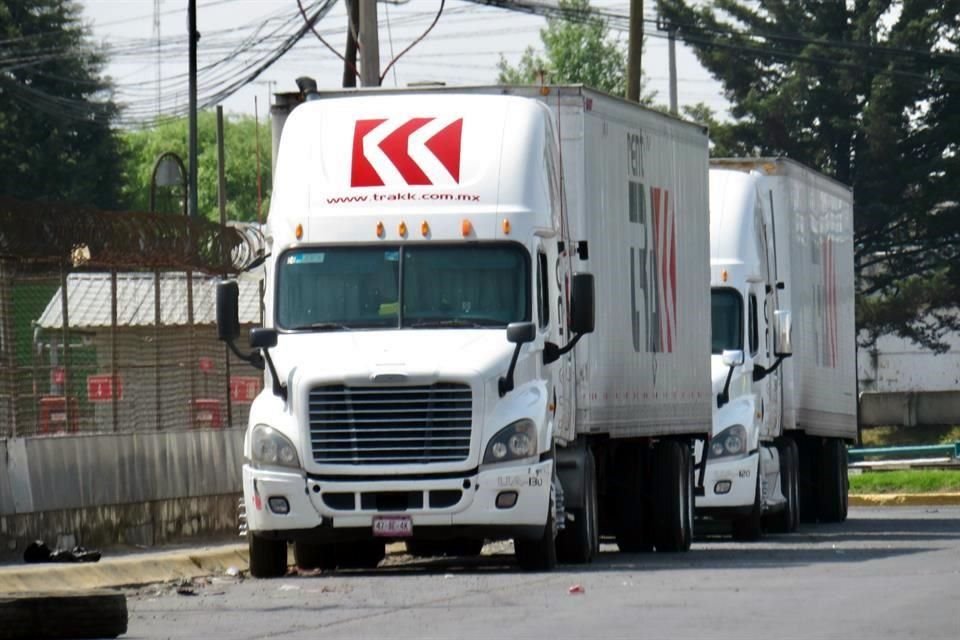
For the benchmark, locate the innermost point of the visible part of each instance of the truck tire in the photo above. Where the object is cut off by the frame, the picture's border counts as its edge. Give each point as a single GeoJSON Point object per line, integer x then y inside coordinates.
{"type": "Point", "coordinates": [808, 451]}
{"type": "Point", "coordinates": [787, 520]}
{"type": "Point", "coordinates": [363, 554]}
{"type": "Point", "coordinates": [579, 540]}
{"type": "Point", "coordinates": [539, 554]}
{"type": "Point", "coordinates": [62, 614]}
{"type": "Point", "coordinates": [268, 558]}
{"type": "Point", "coordinates": [833, 481]}
{"type": "Point", "coordinates": [314, 555]}
{"type": "Point", "coordinates": [634, 513]}
{"type": "Point", "coordinates": [673, 496]}
{"type": "Point", "coordinates": [749, 528]}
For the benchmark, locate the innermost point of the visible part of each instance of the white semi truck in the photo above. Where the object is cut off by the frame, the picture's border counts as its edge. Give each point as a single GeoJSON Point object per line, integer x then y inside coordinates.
{"type": "Point", "coordinates": [781, 253]}
{"type": "Point", "coordinates": [434, 260]}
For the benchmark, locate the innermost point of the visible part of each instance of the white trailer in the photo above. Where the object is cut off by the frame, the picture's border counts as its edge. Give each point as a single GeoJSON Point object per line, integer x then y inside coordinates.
{"type": "Point", "coordinates": [781, 238]}
{"type": "Point", "coordinates": [435, 257]}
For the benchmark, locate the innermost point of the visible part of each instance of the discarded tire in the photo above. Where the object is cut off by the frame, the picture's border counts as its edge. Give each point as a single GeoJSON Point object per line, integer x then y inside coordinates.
{"type": "Point", "coordinates": [42, 616]}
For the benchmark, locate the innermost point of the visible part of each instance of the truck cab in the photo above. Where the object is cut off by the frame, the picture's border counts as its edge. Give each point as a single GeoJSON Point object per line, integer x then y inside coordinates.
{"type": "Point", "coordinates": [745, 476]}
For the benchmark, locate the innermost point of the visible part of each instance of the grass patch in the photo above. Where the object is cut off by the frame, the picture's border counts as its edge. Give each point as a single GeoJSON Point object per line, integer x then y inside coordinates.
{"type": "Point", "coordinates": [909, 436]}
{"type": "Point", "coordinates": [906, 481]}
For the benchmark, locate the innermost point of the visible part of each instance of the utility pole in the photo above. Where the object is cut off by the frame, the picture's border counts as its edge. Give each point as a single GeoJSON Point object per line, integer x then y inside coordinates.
{"type": "Point", "coordinates": [350, 64]}
{"type": "Point", "coordinates": [369, 44]}
{"type": "Point", "coordinates": [192, 125]}
{"type": "Point", "coordinates": [635, 50]}
{"type": "Point", "coordinates": [672, 51]}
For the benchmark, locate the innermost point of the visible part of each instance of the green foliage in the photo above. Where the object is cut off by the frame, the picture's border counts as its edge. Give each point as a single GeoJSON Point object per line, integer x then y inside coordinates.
{"type": "Point", "coordinates": [906, 481]}
{"type": "Point", "coordinates": [576, 50]}
{"type": "Point", "coordinates": [867, 91]}
{"type": "Point", "coordinates": [56, 141]}
{"type": "Point", "coordinates": [142, 148]}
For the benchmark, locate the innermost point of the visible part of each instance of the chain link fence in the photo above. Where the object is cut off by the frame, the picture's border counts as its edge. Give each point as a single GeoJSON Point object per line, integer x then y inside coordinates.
{"type": "Point", "coordinates": [89, 343]}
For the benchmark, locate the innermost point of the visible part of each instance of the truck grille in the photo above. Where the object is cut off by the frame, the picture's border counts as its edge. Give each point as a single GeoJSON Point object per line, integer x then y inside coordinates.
{"type": "Point", "coordinates": [390, 425]}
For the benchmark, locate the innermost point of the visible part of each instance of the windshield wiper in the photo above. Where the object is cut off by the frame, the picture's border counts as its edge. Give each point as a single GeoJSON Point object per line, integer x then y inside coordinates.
{"type": "Point", "coordinates": [471, 323]}
{"type": "Point", "coordinates": [321, 326]}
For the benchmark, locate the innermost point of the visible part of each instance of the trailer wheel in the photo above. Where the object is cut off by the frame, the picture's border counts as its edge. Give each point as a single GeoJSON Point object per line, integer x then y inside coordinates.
{"type": "Point", "coordinates": [579, 540]}
{"type": "Point", "coordinates": [833, 481]}
{"type": "Point", "coordinates": [749, 528]}
{"type": "Point", "coordinates": [672, 500]}
{"type": "Point", "coordinates": [787, 520]}
{"type": "Point", "coordinates": [634, 513]}
{"type": "Point", "coordinates": [539, 554]}
{"type": "Point", "coordinates": [268, 558]}
{"type": "Point", "coordinates": [313, 555]}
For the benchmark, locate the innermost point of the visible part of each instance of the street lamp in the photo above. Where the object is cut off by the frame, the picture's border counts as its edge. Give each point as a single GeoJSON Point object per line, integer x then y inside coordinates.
{"type": "Point", "coordinates": [168, 171]}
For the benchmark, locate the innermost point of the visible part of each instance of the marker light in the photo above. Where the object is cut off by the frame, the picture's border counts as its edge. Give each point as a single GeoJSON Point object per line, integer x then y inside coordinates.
{"type": "Point", "coordinates": [299, 231]}
{"type": "Point", "coordinates": [424, 229]}
{"type": "Point", "coordinates": [723, 275]}
{"type": "Point", "coordinates": [380, 230]}
{"type": "Point", "coordinates": [466, 228]}
{"type": "Point", "coordinates": [544, 91]}
{"type": "Point", "coordinates": [402, 229]}
{"type": "Point", "coordinates": [506, 226]}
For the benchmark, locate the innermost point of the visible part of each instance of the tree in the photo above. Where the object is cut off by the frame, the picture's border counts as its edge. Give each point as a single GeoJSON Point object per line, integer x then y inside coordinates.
{"type": "Point", "coordinates": [142, 148]}
{"type": "Point", "coordinates": [867, 91]}
{"type": "Point", "coordinates": [56, 141]}
{"type": "Point", "coordinates": [577, 49]}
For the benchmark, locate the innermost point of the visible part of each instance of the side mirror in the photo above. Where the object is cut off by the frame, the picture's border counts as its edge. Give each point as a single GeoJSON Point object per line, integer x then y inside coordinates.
{"type": "Point", "coordinates": [732, 357]}
{"type": "Point", "coordinates": [581, 303]}
{"type": "Point", "coordinates": [228, 319]}
{"type": "Point", "coordinates": [782, 334]}
{"type": "Point", "coordinates": [521, 332]}
{"type": "Point", "coordinates": [261, 338]}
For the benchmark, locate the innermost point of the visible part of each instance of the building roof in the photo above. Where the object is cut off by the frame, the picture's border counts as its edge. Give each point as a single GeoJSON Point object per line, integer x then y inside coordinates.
{"type": "Point", "coordinates": [88, 296]}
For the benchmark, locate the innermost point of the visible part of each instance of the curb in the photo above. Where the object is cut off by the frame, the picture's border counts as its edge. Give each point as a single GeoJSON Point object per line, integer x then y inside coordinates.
{"type": "Point", "coordinates": [904, 499]}
{"type": "Point", "coordinates": [132, 570]}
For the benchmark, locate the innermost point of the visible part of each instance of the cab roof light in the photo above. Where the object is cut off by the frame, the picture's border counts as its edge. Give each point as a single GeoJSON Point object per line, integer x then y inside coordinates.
{"type": "Point", "coordinates": [466, 228]}
{"type": "Point", "coordinates": [299, 232]}
{"type": "Point", "coordinates": [723, 275]}
{"type": "Point", "coordinates": [424, 229]}
{"type": "Point", "coordinates": [380, 230]}
{"type": "Point", "coordinates": [402, 229]}
{"type": "Point", "coordinates": [506, 227]}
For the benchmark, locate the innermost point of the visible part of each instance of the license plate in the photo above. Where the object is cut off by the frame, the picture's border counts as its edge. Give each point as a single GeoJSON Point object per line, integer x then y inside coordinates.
{"type": "Point", "coordinates": [393, 526]}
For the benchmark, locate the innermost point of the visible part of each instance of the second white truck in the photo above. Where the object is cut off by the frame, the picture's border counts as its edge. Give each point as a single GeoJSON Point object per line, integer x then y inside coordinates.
{"type": "Point", "coordinates": [781, 254]}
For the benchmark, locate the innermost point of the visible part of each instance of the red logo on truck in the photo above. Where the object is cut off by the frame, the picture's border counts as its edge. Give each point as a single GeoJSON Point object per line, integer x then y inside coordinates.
{"type": "Point", "coordinates": [414, 152]}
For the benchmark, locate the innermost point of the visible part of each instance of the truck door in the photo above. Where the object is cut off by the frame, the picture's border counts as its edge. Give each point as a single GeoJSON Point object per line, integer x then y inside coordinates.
{"type": "Point", "coordinates": [552, 280]}
{"type": "Point", "coordinates": [763, 305]}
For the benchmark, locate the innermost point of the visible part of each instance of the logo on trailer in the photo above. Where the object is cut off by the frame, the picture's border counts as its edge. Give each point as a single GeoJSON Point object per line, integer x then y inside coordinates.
{"type": "Point", "coordinates": [653, 271]}
{"type": "Point", "coordinates": [416, 152]}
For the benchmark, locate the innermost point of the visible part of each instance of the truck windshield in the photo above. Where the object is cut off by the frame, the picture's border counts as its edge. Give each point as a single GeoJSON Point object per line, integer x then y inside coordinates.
{"type": "Point", "coordinates": [727, 320]}
{"type": "Point", "coordinates": [339, 288]}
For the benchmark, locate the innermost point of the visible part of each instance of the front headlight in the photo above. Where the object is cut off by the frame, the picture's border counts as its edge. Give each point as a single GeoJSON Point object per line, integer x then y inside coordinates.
{"type": "Point", "coordinates": [730, 442]}
{"type": "Point", "coordinates": [272, 448]}
{"type": "Point", "coordinates": [515, 441]}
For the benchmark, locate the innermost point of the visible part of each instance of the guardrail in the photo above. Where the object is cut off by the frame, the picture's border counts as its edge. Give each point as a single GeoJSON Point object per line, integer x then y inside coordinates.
{"type": "Point", "coordinates": [951, 450]}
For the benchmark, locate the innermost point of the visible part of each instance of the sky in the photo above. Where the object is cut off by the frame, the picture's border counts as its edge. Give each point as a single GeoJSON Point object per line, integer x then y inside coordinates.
{"type": "Point", "coordinates": [148, 51]}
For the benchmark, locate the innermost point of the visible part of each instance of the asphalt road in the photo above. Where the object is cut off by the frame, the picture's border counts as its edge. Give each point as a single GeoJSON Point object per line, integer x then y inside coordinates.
{"type": "Point", "coordinates": [890, 572]}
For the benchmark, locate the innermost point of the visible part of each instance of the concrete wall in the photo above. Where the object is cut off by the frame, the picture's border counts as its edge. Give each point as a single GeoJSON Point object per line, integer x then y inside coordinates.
{"type": "Point", "coordinates": [909, 408]}
{"type": "Point", "coordinates": [132, 488]}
